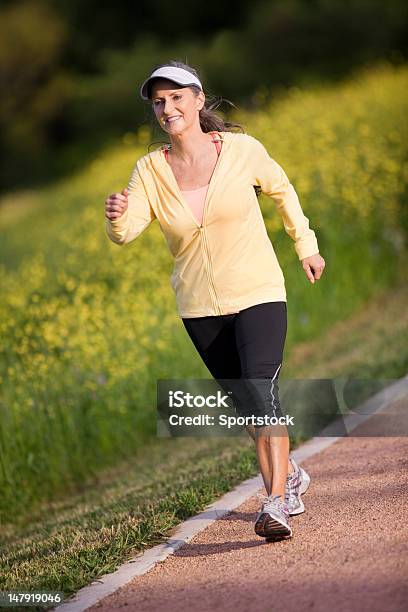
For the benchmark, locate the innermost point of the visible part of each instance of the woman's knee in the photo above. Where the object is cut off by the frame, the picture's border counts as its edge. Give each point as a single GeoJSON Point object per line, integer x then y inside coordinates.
{"type": "Point", "coordinates": [269, 371]}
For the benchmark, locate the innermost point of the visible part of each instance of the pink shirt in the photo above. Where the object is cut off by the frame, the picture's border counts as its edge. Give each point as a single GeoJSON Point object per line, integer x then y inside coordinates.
{"type": "Point", "coordinates": [195, 198]}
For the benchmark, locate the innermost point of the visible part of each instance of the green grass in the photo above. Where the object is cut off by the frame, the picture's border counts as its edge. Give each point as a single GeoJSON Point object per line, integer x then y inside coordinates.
{"type": "Point", "coordinates": [91, 534]}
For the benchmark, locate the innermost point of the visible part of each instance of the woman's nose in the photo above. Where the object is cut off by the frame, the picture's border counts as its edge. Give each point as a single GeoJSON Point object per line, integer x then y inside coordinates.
{"type": "Point", "coordinates": [168, 105]}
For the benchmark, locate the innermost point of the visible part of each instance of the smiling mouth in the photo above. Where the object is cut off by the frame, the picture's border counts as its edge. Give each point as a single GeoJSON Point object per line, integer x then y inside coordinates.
{"type": "Point", "coordinates": [172, 119]}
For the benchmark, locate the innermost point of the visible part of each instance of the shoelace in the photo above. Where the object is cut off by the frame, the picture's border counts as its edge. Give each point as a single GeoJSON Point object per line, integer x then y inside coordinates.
{"type": "Point", "coordinates": [274, 504]}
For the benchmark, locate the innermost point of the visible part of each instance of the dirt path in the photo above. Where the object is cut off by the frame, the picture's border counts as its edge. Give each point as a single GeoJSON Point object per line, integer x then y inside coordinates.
{"type": "Point", "coordinates": [349, 551]}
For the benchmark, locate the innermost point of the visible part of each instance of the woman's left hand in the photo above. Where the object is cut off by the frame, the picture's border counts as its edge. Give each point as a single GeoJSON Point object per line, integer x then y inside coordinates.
{"type": "Point", "coordinates": [313, 266]}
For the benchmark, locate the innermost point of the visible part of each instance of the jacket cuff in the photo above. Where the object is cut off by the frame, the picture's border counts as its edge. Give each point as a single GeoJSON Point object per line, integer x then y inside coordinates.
{"type": "Point", "coordinates": [120, 222]}
{"type": "Point", "coordinates": [116, 229]}
{"type": "Point", "coordinates": [306, 247]}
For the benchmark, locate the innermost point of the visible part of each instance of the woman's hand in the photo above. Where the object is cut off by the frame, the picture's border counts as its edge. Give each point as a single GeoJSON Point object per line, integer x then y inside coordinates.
{"type": "Point", "coordinates": [313, 266]}
{"type": "Point", "coordinates": [116, 204]}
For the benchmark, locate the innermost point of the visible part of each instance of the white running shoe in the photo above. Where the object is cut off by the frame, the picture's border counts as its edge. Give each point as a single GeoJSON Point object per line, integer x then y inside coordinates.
{"type": "Point", "coordinates": [272, 521]}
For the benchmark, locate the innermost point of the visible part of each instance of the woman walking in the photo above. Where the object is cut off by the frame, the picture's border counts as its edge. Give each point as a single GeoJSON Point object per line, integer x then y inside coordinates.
{"type": "Point", "coordinates": [230, 289]}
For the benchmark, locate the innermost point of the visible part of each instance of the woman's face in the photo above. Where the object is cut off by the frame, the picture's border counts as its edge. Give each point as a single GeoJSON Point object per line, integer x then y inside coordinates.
{"type": "Point", "coordinates": [176, 108]}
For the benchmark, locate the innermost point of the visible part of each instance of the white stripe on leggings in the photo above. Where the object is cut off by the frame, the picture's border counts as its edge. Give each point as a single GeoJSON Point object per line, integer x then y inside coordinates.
{"type": "Point", "coordinates": [273, 399]}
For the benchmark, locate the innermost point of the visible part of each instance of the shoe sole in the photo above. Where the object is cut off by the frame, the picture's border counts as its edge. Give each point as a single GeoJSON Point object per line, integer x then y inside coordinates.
{"type": "Point", "coordinates": [268, 527]}
{"type": "Point", "coordinates": [302, 489]}
{"type": "Point", "coordinates": [269, 539]}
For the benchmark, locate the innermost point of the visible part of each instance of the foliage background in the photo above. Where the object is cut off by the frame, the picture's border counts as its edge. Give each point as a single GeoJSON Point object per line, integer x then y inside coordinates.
{"type": "Point", "coordinates": [70, 70]}
{"type": "Point", "coordinates": [88, 327]}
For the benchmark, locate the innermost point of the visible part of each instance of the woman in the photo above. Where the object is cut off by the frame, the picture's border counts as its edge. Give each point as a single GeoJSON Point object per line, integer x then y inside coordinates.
{"type": "Point", "coordinates": [229, 286]}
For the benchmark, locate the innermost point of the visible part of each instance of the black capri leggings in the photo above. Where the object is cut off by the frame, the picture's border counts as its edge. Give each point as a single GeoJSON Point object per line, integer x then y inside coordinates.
{"type": "Point", "coordinates": [245, 345]}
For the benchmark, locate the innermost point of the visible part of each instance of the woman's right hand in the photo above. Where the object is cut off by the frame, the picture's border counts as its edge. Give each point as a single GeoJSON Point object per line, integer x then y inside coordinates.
{"type": "Point", "coordinates": [116, 204]}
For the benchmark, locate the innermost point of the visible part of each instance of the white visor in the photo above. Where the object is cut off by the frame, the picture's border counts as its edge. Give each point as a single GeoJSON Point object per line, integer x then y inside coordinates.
{"type": "Point", "coordinates": [178, 75]}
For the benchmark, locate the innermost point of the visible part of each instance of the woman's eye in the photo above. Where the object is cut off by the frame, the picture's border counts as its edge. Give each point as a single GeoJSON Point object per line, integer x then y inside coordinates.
{"type": "Point", "coordinates": [157, 102]}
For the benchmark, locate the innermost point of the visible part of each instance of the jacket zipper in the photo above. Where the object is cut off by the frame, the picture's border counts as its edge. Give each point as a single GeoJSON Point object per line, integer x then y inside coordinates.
{"type": "Point", "coordinates": [210, 276]}
{"type": "Point", "coordinates": [211, 284]}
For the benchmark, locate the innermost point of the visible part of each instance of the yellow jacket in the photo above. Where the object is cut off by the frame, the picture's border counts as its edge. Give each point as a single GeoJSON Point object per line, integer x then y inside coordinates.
{"type": "Point", "coordinates": [228, 263]}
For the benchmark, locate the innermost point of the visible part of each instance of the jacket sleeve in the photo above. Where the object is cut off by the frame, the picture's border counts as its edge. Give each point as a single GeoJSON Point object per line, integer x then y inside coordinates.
{"type": "Point", "coordinates": [273, 181]}
{"type": "Point", "coordinates": [136, 218]}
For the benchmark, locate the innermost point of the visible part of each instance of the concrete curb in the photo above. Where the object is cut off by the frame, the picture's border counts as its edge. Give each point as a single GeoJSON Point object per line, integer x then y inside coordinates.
{"type": "Point", "coordinates": [143, 562]}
